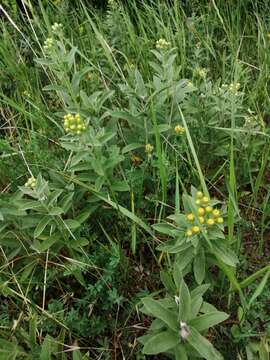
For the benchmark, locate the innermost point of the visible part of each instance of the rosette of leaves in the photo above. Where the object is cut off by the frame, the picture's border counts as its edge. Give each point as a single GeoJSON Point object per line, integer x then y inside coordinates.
{"type": "Point", "coordinates": [196, 252]}
{"type": "Point", "coordinates": [180, 322]}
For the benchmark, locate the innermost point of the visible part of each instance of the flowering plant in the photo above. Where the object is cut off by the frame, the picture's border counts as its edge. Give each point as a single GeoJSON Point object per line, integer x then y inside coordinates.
{"type": "Point", "coordinates": [198, 234]}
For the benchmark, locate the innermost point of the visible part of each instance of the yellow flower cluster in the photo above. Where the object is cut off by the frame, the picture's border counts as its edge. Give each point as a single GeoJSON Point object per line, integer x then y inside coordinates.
{"type": "Point", "coordinates": [136, 159]}
{"type": "Point", "coordinates": [31, 183]}
{"type": "Point", "coordinates": [26, 93]}
{"type": "Point", "coordinates": [129, 65]}
{"type": "Point", "coordinates": [149, 148]}
{"type": "Point", "coordinates": [73, 124]}
{"type": "Point", "coordinates": [162, 44]}
{"type": "Point", "coordinates": [48, 43]}
{"type": "Point", "coordinates": [201, 72]}
{"type": "Point", "coordinates": [179, 130]}
{"type": "Point", "coordinates": [233, 88]}
{"type": "Point", "coordinates": [205, 214]}
{"type": "Point", "coordinates": [57, 28]}
{"type": "Point", "coordinates": [112, 3]}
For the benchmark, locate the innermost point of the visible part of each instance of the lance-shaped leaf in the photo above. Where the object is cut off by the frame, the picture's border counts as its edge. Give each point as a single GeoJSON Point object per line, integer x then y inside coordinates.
{"type": "Point", "coordinates": [160, 312]}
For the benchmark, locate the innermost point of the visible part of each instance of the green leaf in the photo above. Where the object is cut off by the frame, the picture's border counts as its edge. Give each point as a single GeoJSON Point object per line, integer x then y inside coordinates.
{"type": "Point", "coordinates": [131, 147]}
{"type": "Point", "coordinates": [207, 308]}
{"type": "Point", "coordinates": [179, 219]}
{"type": "Point", "coordinates": [131, 119]}
{"type": "Point", "coordinates": [27, 204]}
{"type": "Point", "coordinates": [175, 246]}
{"type": "Point", "coordinates": [27, 271]}
{"type": "Point", "coordinates": [47, 348]}
{"type": "Point", "coordinates": [196, 304]}
{"type": "Point", "coordinates": [44, 245]}
{"type": "Point", "coordinates": [72, 224]}
{"type": "Point", "coordinates": [54, 88]}
{"type": "Point", "coordinates": [259, 288]}
{"type": "Point", "coordinates": [42, 225]}
{"type": "Point", "coordinates": [253, 277]}
{"type": "Point", "coordinates": [120, 186]}
{"type": "Point", "coordinates": [264, 349]}
{"type": "Point", "coordinates": [225, 254]}
{"type": "Point", "coordinates": [143, 339]}
{"type": "Point", "coordinates": [76, 355]}
{"type": "Point", "coordinates": [199, 290]}
{"type": "Point", "coordinates": [180, 353]}
{"type": "Point", "coordinates": [160, 312]}
{"type": "Point", "coordinates": [77, 78]}
{"type": "Point", "coordinates": [204, 322]}
{"type": "Point", "coordinates": [230, 273]}
{"type": "Point", "coordinates": [161, 342]}
{"type": "Point", "coordinates": [199, 266]}
{"type": "Point", "coordinates": [9, 350]}
{"type": "Point", "coordinates": [56, 211]}
{"type": "Point", "coordinates": [202, 345]}
{"type": "Point", "coordinates": [141, 89]}
{"type": "Point", "coordinates": [156, 325]}
{"type": "Point", "coordinates": [183, 260]}
{"type": "Point", "coordinates": [33, 329]}
{"type": "Point", "coordinates": [167, 281]}
{"type": "Point", "coordinates": [164, 228]}
{"type": "Point", "coordinates": [161, 128]}
{"type": "Point", "coordinates": [184, 302]}
{"type": "Point", "coordinates": [216, 233]}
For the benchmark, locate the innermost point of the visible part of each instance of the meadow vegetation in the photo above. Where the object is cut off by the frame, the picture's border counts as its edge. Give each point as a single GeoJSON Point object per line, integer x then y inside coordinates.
{"type": "Point", "coordinates": [134, 187]}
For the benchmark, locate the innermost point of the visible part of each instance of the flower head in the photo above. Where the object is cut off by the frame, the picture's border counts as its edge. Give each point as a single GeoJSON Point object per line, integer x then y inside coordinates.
{"type": "Point", "coordinates": [234, 87]}
{"type": "Point", "coordinates": [199, 195]}
{"type": "Point", "coordinates": [112, 3]}
{"type": "Point", "coordinates": [48, 44]}
{"type": "Point", "coordinates": [201, 72]}
{"type": "Point", "coordinates": [216, 213]}
{"type": "Point", "coordinates": [201, 219]}
{"type": "Point", "coordinates": [57, 28]}
{"type": "Point", "coordinates": [220, 220]}
{"type": "Point", "coordinates": [162, 44]}
{"type": "Point", "coordinates": [179, 130]}
{"type": "Point", "coordinates": [149, 148]}
{"type": "Point", "coordinates": [73, 124]}
{"type": "Point", "coordinates": [31, 183]}
{"type": "Point", "coordinates": [196, 229]}
{"type": "Point", "coordinates": [205, 200]}
{"type": "Point", "coordinates": [136, 159]}
{"type": "Point", "coordinates": [26, 93]}
{"type": "Point", "coordinates": [201, 211]}
{"type": "Point", "coordinates": [190, 217]}
{"type": "Point", "coordinates": [189, 233]}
